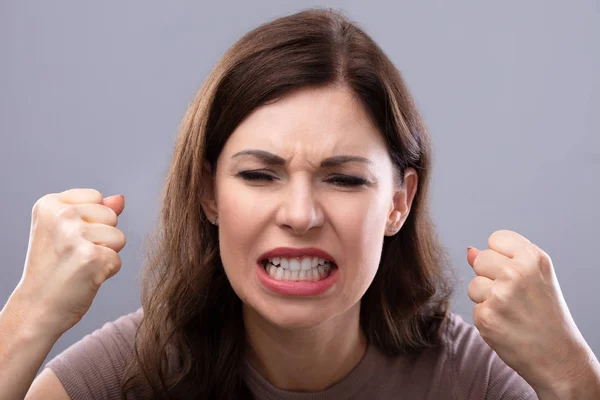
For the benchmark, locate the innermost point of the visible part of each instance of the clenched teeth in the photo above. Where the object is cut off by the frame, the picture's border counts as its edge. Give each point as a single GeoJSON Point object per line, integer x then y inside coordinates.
{"type": "Point", "coordinates": [298, 269]}
{"type": "Point", "coordinates": [297, 264]}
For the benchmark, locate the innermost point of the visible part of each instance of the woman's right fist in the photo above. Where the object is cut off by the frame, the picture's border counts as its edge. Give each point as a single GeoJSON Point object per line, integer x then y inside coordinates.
{"type": "Point", "coordinates": [73, 246]}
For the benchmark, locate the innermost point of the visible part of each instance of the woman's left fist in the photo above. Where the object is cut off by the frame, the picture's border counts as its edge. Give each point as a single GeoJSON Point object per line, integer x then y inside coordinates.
{"type": "Point", "coordinates": [520, 311]}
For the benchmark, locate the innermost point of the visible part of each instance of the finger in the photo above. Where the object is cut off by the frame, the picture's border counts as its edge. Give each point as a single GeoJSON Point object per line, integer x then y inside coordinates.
{"type": "Point", "coordinates": [108, 265]}
{"type": "Point", "coordinates": [472, 253]}
{"type": "Point", "coordinates": [113, 265]}
{"type": "Point", "coordinates": [116, 203]}
{"type": "Point", "coordinates": [97, 213]}
{"type": "Point", "coordinates": [507, 243]}
{"type": "Point", "coordinates": [80, 196]}
{"type": "Point", "coordinates": [104, 235]}
{"type": "Point", "coordinates": [479, 289]}
{"type": "Point", "coordinates": [490, 263]}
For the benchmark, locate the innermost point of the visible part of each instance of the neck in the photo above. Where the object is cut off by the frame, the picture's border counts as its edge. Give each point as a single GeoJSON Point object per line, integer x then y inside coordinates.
{"type": "Point", "coordinates": [306, 359]}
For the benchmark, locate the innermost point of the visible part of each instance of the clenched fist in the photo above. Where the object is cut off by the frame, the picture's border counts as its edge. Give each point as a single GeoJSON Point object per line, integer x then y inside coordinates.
{"type": "Point", "coordinates": [521, 314]}
{"type": "Point", "coordinates": [73, 246]}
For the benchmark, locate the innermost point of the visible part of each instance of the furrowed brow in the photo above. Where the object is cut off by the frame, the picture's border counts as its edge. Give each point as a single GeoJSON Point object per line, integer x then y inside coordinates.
{"type": "Point", "coordinates": [264, 156]}
{"type": "Point", "coordinates": [273, 159]}
{"type": "Point", "coordinates": [338, 160]}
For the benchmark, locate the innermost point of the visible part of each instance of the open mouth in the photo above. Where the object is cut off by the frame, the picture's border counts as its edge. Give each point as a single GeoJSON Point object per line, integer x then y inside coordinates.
{"type": "Point", "coordinates": [309, 269]}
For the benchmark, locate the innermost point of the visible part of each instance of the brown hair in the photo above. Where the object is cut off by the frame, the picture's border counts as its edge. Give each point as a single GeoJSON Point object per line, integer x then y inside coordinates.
{"type": "Point", "coordinates": [190, 342]}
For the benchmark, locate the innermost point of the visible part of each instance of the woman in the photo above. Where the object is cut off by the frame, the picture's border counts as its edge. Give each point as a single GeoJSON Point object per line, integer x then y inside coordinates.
{"type": "Point", "coordinates": [296, 258]}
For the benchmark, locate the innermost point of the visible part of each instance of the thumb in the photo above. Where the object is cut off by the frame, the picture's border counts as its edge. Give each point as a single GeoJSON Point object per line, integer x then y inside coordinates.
{"type": "Point", "coordinates": [472, 253]}
{"type": "Point", "coordinates": [117, 203]}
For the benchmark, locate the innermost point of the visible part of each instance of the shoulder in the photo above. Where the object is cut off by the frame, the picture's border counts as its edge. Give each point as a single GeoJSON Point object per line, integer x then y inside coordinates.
{"type": "Point", "coordinates": [93, 367]}
{"type": "Point", "coordinates": [475, 368]}
{"type": "Point", "coordinates": [461, 366]}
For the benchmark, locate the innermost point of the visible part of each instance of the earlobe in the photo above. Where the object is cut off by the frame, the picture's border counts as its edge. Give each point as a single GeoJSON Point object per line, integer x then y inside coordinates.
{"type": "Point", "coordinates": [394, 222]}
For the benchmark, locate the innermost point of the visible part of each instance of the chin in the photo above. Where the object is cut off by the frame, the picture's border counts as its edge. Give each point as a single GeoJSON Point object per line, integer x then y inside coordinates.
{"type": "Point", "coordinates": [295, 315]}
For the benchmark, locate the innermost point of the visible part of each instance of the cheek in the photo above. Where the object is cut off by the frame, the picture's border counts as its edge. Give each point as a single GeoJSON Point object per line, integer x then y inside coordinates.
{"type": "Point", "coordinates": [240, 229]}
{"type": "Point", "coordinates": [360, 229]}
{"type": "Point", "coordinates": [241, 212]}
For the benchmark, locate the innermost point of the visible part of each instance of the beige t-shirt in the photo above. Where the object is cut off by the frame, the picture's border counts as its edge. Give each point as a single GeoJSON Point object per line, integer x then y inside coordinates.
{"type": "Point", "coordinates": [464, 367]}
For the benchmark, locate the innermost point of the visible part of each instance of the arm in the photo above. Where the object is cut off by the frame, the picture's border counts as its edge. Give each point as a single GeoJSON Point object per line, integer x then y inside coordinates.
{"type": "Point", "coordinates": [23, 348]}
{"type": "Point", "coordinates": [62, 274]}
{"type": "Point", "coordinates": [47, 386]}
{"type": "Point", "coordinates": [580, 380]}
{"type": "Point", "coordinates": [521, 313]}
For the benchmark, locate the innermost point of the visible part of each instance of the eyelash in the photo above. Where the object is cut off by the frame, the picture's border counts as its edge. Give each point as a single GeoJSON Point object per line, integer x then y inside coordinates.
{"type": "Point", "coordinates": [342, 180]}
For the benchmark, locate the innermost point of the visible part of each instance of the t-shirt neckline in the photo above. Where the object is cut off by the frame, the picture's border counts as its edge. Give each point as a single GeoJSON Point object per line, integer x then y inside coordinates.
{"type": "Point", "coordinates": [346, 388]}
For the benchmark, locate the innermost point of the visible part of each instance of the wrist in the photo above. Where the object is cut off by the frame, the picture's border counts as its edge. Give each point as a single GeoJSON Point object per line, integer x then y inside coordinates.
{"type": "Point", "coordinates": [25, 322]}
{"type": "Point", "coordinates": [581, 382]}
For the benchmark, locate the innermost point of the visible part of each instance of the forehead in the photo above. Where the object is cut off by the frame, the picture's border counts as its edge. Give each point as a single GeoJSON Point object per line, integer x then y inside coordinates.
{"type": "Point", "coordinates": [317, 122]}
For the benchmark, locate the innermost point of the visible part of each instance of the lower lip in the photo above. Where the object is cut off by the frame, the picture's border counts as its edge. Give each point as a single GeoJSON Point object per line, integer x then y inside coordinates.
{"type": "Point", "coordinates": [297, 288]}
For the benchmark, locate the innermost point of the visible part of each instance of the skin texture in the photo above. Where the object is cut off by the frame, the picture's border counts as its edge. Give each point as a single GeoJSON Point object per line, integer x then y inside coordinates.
{"type": "Point", "coordinates": [296, 342]}
{"type": "Point", "coordinates": [309, 343]}
{"type": "Point", "coordinates": [521, 313]}
{"type": "Point", "coordinates": [72, 250]}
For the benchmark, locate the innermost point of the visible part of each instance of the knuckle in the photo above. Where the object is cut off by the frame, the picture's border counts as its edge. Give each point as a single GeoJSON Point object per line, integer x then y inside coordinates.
{"type": "Point", "coordinates": [530, 254]}
{"type": "Point", "coordinates": [66, 211]}
{"type": "Point", "coordinates": [98, 279]}
{"type": "Point", "coordinates": [474, 285]}
{"type": "Point", "coordinates": [494, 237]}
{"type": "Point", "coordinates": [525, 272]}
{"type": "Point", "coordinates": [35, 210]}
{"type": "Point", "coordinates": [41, 204]}
{"type": "Point", "coordinates": [96, 195]}
{"type": "Point", "coordinates": [68, 235]}
{"type": "Point", "coordinates": [545, 264]}
{"type": "Point", "coordinates": [471, 286]}
{"type": "Point", "coordinates": [501, 297]}
{"type": "Point", "coordinates": [536, 256]}
{"type": "Point", "coordinates": [90, 254]}
{"type": "Point", "coordinates": [122, 240]}
{"type": "Point", "coordinates": [484, 319]}
{"type": "Point", "coordinates": [513, 274]}
{"type": "Point", "coordinates": [113, 219]}
{"type": "Point", "coordinates": [471, 289]}
{"type": "Point", "coordinates": [71, 229]}
{"type": "Point", "coordinates": [112, 268]}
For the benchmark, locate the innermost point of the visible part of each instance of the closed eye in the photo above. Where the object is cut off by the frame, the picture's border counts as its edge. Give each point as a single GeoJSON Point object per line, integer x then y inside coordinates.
{"type": "Point", "coordinates": [256, 176]}
{"type": "Point", "coordinates": [347, 180]}
{"type": "Point", "coordinates": [337, 180]}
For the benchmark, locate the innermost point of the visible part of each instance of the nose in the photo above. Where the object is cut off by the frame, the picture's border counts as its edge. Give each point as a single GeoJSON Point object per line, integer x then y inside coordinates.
{"type": "Point", "coordinates": [299, 210]}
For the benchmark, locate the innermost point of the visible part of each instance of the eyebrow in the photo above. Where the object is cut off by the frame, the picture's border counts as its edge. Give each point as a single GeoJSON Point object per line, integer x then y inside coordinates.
{"type": "Point", "coordinates": [274, 159]}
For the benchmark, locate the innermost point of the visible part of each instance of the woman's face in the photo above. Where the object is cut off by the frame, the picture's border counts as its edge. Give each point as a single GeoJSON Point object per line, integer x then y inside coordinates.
{"type": "Point", "coordinates": [304, 191]}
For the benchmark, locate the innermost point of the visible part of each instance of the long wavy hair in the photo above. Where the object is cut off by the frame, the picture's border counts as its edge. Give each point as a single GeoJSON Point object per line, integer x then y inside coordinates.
{"type": "Point", "coordinates": [191, 341]}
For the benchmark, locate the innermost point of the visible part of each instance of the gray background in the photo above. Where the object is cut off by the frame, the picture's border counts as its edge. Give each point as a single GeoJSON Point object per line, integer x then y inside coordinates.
{"type": "Point", "coordinates": [91, 94]}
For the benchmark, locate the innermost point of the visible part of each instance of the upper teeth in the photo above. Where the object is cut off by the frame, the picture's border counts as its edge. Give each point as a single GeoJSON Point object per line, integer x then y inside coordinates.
{"type": "Point", "coordinates": [298, 264]}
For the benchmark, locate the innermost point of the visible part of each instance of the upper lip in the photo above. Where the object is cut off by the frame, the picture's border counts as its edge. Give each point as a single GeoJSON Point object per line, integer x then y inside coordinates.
{"type": "Point", "coordinates": [290, 252]}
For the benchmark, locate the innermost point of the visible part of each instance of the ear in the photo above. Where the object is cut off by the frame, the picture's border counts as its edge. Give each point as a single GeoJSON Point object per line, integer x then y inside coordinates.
{"type": "Point", "coordinates": [402, 201]}
{"type": "Point", "coordinates": [208, 198]}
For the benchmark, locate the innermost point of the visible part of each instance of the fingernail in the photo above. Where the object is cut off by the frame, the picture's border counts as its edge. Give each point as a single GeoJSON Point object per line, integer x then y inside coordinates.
{"type": "Point", "coordinates": [122, 197]}
{"type": "Point", "coordinates": [469, 248]}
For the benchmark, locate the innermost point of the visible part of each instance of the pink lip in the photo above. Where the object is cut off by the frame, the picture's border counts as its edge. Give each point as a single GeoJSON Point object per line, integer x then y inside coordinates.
{"type": "Point", "coordinates": [296, 288]}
